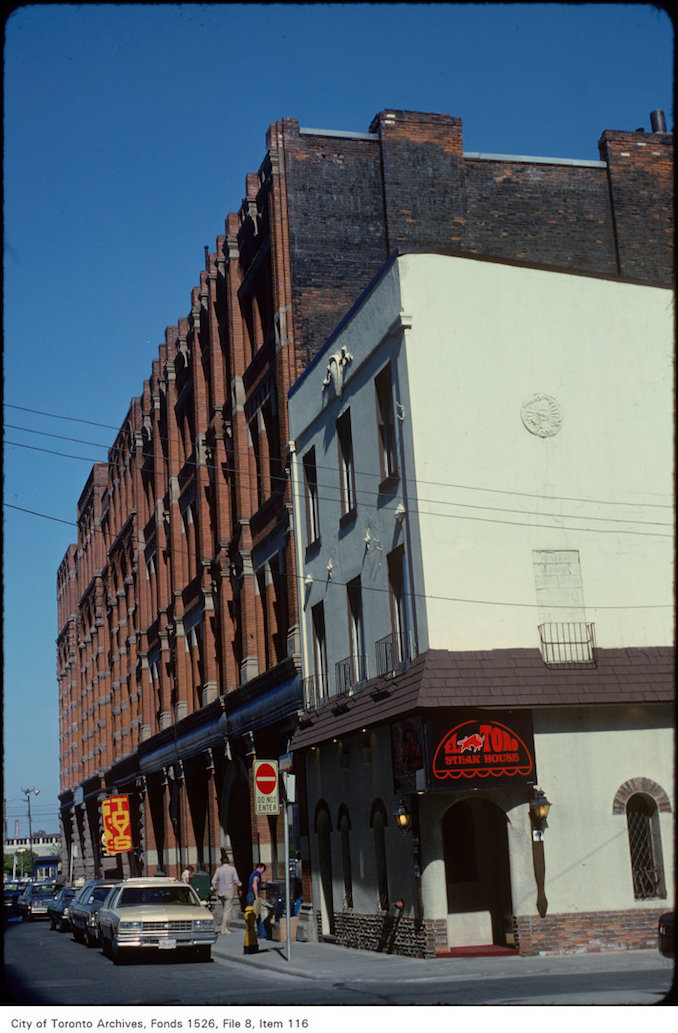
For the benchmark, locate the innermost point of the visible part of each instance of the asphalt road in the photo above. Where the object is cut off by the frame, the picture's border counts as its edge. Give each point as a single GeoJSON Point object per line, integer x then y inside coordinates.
{"type": "Point", "coordinates": [44, 967]}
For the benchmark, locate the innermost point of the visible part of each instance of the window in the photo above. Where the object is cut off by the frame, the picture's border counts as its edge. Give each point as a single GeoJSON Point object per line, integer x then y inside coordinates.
{"type": "Point", "coordinates": [346, 467]}
{"type": "Point", "coordinates": [399, 621]}
{"type": "Point", "coordinates": [257, 489]}
{"type": "Point", "coordinates": [311, 495]}
{"type": "Point", "coordinates": [386, 425]}
{"type": "Point", "coordinates": [265, 439]}
{"type": "Point", "coordinates": [647, 868]}
{"type": "Point", "coordinates": [355, 630]}
{"type": "Point", "coordinates": [319, 650]}
{"type": "Point", "coordinates": [269, 417]}
{"type": "Point", "coordinates": [263, 620]}
{"type": "Point", "coordinates": [189, 526]}
{"type": "Point", "coordinates": [152, 574]}
{"type": "Point", "coordinates": [566, 636]}
{"type": "Point", "coordinates": [280, 614]}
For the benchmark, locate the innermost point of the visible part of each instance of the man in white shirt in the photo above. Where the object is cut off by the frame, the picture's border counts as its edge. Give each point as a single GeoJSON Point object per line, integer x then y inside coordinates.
{"type": "Point", "coordinates": [226, 885]}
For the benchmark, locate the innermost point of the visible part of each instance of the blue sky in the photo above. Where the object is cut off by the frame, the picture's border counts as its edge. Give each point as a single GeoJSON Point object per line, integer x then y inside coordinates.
{"type": "Point", "coordinates": [129, 130]}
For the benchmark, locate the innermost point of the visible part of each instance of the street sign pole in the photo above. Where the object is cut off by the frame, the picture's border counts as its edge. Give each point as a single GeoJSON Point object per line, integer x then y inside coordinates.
{"type": "Point", "coordinates": [285, 764]}
{"type": "Point", "coordinates": [288, 915]}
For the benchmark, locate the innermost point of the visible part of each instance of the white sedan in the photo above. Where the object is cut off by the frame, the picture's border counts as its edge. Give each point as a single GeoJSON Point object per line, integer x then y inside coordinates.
{"type": "Point", "coordinates": [158, 913]}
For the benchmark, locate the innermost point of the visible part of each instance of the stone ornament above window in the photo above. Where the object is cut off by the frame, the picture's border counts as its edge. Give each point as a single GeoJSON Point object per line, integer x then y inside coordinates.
{"type": "Point", "coordinates": [542, 415]}
{"type": "Point", "coordinates": [335, 370]}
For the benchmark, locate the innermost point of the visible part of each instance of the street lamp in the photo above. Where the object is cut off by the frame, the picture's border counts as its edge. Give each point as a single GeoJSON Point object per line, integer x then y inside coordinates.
{"type": "Point", "coordinates": [27, 794]}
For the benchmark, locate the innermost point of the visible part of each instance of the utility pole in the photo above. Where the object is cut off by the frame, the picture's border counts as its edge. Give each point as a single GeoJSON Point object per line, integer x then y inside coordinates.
{"type": "Point", "coordinates": [27, 794]}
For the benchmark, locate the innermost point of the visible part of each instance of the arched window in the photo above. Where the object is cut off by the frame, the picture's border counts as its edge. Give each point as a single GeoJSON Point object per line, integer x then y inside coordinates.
{"type": "Point", "coordinates": [378, 822]}
{"type": "Point", "coordinates": [345, 832]}
{"type": "Point", "coordinates": [323, 828]}
{"type": "Point", "coordinates": [642, 820]}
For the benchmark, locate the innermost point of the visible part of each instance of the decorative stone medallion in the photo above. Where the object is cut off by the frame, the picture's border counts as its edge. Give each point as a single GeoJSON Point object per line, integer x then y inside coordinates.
{"type": "Point", "coordinates": [542, 415]}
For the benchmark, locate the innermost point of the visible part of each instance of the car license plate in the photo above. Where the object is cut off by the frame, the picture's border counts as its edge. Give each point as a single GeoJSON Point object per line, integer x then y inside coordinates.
{"type": "Point", "coordinates": [166, 945]}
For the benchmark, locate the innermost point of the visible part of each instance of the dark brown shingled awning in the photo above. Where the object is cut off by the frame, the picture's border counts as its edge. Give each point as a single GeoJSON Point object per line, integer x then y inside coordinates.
{"type": "Point", "coordinates": [494, 679]}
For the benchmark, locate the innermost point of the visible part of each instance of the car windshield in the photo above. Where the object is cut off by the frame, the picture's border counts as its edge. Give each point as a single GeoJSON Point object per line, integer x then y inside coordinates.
{"type": "Point", "coordinates": [44, 891]}
{"type": "Point", "coordinates": [158, 895]}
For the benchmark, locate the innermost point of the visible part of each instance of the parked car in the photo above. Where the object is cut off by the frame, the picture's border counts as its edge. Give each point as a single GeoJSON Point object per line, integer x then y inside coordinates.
{"type": "Point", "coordinates": [11, 893]}
{"type": "Point", "coordinates": [58, 910]}
{"type": "Point", "coordinates": [84, 910]}
{"type": "Point", "coordinates": [158, 913]}
{"type": "Point", "coordinates": [33, 901]}
{"type": "Point", "coordinates": [666, 935]}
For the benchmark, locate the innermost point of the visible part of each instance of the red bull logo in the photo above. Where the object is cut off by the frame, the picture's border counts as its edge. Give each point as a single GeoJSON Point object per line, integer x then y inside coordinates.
{"type": "Point", "coordinates": [474, 743]}
{"type": "Point", "coordinates": [481, 749]}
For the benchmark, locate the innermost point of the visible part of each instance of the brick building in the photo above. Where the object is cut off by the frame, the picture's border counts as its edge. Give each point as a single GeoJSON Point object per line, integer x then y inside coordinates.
{"type": "Point", "coordinates": [178, 647]}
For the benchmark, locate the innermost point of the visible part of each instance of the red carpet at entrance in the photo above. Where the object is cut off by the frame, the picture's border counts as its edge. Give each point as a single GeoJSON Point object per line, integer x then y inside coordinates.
{"type": "Point", "coordinates": [490, 950]}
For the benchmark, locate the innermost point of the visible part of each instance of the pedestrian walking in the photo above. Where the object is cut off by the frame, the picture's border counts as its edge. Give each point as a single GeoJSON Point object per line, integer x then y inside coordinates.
{"type": "Point", "coordinates": [187, 873]}
{"type": "Point", "coordinates": [254, 887]}
{"type": "Point", "coordinates": [226, 884]}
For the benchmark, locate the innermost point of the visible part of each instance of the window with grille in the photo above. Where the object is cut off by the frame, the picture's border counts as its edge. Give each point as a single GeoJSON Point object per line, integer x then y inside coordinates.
{"type": "Point", "coordinates": [642, 821]}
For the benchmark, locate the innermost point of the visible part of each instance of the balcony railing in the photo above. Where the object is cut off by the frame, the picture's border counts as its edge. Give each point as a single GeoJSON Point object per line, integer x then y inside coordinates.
{"type": "Point", "coordinates": [349, 672]}
{"type": "Point", "coordinates": [393, 655]}
{"type": "Point", "coordinates": [564, 643]}
{"type": "Point", "coordinates": [314, 692]}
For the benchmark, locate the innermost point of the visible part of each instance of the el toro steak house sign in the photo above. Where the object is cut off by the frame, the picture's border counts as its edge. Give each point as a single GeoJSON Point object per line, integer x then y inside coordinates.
{"type": "Point", "coordinates": [486, 748]}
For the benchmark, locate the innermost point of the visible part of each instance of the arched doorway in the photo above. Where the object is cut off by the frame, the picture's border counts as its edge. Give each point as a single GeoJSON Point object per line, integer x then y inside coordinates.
{"type": "Point", "coordinates": [323, 830]}
{"type": "Point", "coordinates": [477, 874]}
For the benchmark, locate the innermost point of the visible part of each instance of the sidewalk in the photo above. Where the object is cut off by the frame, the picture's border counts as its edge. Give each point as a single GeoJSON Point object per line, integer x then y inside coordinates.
{"type": "Point", "coordinates": [328, 962]}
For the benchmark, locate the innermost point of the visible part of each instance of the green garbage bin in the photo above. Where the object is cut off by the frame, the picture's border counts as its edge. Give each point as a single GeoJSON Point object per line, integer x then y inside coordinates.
{"type": "Point", "coordinates": [200, 881]}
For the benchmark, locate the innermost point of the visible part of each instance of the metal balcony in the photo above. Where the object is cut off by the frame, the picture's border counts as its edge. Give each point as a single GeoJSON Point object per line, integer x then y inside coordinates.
{"type": "Point", "coordinates": [314, 692]}
{"type": "Point", "coordinates": [348, 673]}
{"type": "Point", "coordinates": [566, 643]}
{"type": "Point", "coordinates": [393, 656]}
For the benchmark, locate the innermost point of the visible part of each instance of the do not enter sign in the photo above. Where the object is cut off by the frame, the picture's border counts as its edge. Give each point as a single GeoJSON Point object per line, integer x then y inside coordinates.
{"type": "Point", "coordinates": [266, 787]}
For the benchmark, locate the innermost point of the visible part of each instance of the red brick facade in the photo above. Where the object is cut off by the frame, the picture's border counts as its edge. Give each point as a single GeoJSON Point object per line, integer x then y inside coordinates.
{"type": "Point", "coordinates": [588, 931]}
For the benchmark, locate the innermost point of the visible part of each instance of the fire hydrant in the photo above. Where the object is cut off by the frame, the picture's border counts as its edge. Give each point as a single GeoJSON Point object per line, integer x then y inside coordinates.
{"type": "Point", "coordinates": [251, 940]}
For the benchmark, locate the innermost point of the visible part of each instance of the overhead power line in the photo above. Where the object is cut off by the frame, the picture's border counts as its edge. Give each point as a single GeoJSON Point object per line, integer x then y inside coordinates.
{"type": "Point", "coordinates": [246, 474]}
{"type": "Point", "coordinates": [480, 519]}
{"type": "Point", "coordinates": [333, 582]}
{"type": "Point", "coordinates": [57, 416]}
{"type": "Point", "coordinates": [359, 473]}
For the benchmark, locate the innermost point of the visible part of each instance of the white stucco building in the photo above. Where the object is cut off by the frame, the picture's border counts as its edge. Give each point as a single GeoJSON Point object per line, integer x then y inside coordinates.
{"type": "Point", "coordinates": [482, 457]}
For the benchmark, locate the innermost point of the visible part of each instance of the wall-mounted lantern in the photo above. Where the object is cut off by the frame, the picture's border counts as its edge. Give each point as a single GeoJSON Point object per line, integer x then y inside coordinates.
{"type": "Point", "coordinates": [539, 809]}
{"type": "Point", "coordinates": [403, 817]}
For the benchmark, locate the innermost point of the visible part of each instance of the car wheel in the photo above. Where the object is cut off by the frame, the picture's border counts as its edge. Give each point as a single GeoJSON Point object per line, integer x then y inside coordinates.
{"type": "Point", "coordinates": [106, 946]}
{"type": "Point", "coordinates": [52, 923]}
{"type": "Point", "coordinates": [77, 934]}
{"type": "Point", "coordinates": [90, 938]}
